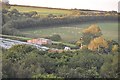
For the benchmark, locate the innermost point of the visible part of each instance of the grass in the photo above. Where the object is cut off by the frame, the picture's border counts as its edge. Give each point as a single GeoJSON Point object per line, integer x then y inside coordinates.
{"type": "Point", "coordinates": [67, 44]}
{"type": "Point", "coordinates": [73, 32]}
{"type": "Point", "coordinates": [62, 31]}
{"type": "Point", "coordinates": [15, 37]}
{"type": "Point", "coordinates": [43, 11]}
{"type": "Point", "coordinates": [110, 30]}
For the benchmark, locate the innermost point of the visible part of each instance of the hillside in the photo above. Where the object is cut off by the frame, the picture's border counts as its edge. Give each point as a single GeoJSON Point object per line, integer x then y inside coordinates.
{"type": "Point", "coordinates": [42, 42]}
{"type": "Point", "coordinates": [41, 10]}
{"type": "Point", "coordinates": [61, 11]}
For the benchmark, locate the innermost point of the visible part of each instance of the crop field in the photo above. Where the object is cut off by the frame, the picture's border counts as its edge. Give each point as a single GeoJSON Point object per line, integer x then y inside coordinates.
{"type": "Point", "coordinates": [40, 10]}
{"type": "Point", "coordinates": [74, 32]}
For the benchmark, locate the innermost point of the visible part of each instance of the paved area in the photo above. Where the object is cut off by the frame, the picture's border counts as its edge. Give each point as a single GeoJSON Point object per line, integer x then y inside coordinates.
{"type": "Point", "coordinates": [8, 43]}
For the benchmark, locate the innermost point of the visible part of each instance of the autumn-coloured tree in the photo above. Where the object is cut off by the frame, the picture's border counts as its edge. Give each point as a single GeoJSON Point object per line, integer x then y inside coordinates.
{"type": "Point", "coordinates": [115, 48]}
{"type": "Point", "coordinates": [96, 43]}
{"type": "Point", "coordinates": [90, 33]}
{"type": "Point", "coordinates": [79, 42]}
{"type": "Point", "coordinates": [75, 13]}
{"type": "Point", "coordinates": [94, 29]}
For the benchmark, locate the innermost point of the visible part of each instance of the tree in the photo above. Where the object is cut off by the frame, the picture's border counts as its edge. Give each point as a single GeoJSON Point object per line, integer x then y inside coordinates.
{"type": "Point", "coordinates": [75, 12]}
{"type": "Point", "coordinates": [8, 29]}
{"type": "Point", "coordinates": [51, 16]}
{"type": "Point", "coordinates": [55, 37]}
{"type": "Point", "coordinates": [22, 61]}
{"type": "Point", "coordinates": [14, 11]}
{"type": "Point", "coordinates": [113, 46]}
{"type": "Point", "coordinates": [80, 42]}
{"type": "Point", "coordinates": [25, 61]}
{"type": "Point", "coordinates": [5, 4]}
{"type": "Point", "coordinates": [96, 43]}
{"type": "Point", "coordinates": [93, 29]}
{"type": "Point", "coordinates": [110, 67]}
{"type": "Point", "coordinates": [90, 33]}
{"type": "Point", "coordinates": [92, 37]}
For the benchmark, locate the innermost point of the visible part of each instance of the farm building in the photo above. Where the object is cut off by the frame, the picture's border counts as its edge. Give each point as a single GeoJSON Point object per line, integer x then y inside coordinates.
{"type": "Point", "coordinates": [67, 48]}
{"type": "Point", "coordinates": [41, 41]}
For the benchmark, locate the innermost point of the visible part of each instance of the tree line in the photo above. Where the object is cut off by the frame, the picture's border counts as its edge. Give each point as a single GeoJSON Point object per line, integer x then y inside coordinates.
{"type": "Point", "coordinates": [25, 61]}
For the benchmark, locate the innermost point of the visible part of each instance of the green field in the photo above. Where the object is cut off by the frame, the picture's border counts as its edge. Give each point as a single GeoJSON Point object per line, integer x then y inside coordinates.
{"type": "Point", "coordinates": [43, 11]}
{"type": "Point", "coordinates": [15, 37]}
{"type": "Point", "coordinates": [73, 32]}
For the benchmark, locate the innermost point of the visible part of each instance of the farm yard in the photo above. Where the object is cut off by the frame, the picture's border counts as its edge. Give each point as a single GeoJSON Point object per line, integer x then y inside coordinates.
{"type": "Point", "coordinates": [73, 32]}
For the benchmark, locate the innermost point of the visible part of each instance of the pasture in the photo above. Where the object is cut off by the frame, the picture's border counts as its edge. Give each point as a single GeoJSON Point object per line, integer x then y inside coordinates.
{"type": "Point", "coordinates": [41, 10]}
{"type": "Point", "coordinates": [73, 32]}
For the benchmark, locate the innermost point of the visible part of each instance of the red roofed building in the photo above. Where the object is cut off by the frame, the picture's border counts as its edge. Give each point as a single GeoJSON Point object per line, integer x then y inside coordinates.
{"type": "Point", "coordinates": [41, 41]}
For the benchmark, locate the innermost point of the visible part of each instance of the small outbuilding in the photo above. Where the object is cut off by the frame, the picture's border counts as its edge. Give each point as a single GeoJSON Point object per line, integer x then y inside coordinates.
{"type": "Point", "coordinates": [67, 48]}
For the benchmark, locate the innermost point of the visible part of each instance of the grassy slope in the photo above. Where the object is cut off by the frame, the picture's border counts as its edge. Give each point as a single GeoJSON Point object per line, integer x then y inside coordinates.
{"type": "Point", "coordinates": [41, 10]}
{"type": "Point", "coordinates": [73, 32]}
